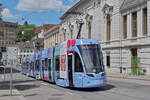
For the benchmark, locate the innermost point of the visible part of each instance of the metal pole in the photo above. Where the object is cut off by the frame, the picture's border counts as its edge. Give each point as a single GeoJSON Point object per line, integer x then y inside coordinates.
{"type": "Point", "coordinates": [120, 46]}
{"type": "Point", "coordinates": [11, 78]}
{"type": "Point", "coordinates": [4, 71]}
{"type": "Point", "coordinates": [5, 63]}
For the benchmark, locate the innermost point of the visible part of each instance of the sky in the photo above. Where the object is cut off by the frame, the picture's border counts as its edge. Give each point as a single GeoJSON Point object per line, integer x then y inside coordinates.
{"type": "Point", "coordinates": [36, 12]}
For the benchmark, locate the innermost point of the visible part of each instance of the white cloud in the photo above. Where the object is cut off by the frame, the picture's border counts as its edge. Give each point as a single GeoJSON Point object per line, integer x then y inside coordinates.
{"type": "Point", "coordinates": [40, 5]}
{"type": "Point", "coordinates": [7, 14]}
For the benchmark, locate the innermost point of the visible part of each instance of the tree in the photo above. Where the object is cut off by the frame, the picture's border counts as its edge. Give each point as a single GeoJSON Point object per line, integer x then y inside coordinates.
{"type": "Point", "coordinates": [25, 32]}
{"type": "Point", "coordinates": [1, 9]}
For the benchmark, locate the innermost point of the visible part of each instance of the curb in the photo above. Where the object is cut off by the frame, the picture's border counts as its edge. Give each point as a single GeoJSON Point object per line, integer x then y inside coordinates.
{"type": "Point", "coordinates": [128, 78]}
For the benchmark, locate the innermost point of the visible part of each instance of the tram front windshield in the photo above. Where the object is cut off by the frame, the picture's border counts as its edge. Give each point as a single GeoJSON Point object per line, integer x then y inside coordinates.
{"type": "Point", "coordinates": [92, 58]}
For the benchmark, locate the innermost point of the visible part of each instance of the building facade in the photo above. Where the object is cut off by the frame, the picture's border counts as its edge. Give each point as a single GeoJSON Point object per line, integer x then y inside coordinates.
{"type": "Point", "coordinates": [38, 40]}
{"type": "Point", "coordinates": [52, 36]}
{"type": "Point", "coordinates": [25, 49]}
{"type": "Point", "coordinates": [122, 27]}
{"type": "Point", "coordinates": [135, 33]}
{"type": "Point", "coordinates": [8, 34]}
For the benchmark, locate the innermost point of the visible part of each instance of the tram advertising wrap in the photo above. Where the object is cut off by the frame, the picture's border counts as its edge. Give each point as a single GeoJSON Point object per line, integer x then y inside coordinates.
{"type": "Point", "coordinates": [63, 67]}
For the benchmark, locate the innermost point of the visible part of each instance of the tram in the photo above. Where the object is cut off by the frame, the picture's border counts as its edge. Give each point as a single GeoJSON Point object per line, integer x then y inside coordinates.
{"type": "Point", "coordinates": [74, 63]}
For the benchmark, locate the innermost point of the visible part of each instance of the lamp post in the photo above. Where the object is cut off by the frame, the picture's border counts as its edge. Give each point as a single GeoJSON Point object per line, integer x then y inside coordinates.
{"type": "Point", "coordinates": [12, 56]}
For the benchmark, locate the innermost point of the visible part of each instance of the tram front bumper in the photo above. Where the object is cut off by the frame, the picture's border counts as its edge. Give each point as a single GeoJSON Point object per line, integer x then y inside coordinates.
{"type": "Point", "coordinates": [91, 83]}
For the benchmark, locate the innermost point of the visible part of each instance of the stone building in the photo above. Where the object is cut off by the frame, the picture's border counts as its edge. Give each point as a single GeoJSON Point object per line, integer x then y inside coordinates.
{"type": "Point", "coordinates": [122, 27]}
{"type": "Point", "coordinates": [8, 34]}
{"type": "Point", "coordinates": [136, 33]}
{"type": "Point", "coordinates": [52, 37]}
{"type": "Point", "coordinates": [38, 40]}
{"type": "Point", "coordinates": [25, 49]}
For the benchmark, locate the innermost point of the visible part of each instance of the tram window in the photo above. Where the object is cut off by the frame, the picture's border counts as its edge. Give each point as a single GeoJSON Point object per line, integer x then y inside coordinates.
{"type": "Point", "coordinates": [57, 63]}
{"type": "Point", "coordinates": [78, 64]}
{"type": "Point", "coordinates": [46, 64]}
{"type": "Point", "coordinates": [27, 65]}
{"type": "Point", "coordinates": [32, 66]}
{"type": "Point", "coordinates": [43, 64]}
{"type": "Point", "coordinates": [37, 65]}
{"type": "Point", "coordinates": [49, 64]}
{"type": "Point", "coordinates": [49, 67]}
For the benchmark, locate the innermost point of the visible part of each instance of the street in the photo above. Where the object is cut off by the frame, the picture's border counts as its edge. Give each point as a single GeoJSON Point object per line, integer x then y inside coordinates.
{"type": "Point", "coordinates": [75, 43]}
{"type": "Point", "coordinates": [30, 89]}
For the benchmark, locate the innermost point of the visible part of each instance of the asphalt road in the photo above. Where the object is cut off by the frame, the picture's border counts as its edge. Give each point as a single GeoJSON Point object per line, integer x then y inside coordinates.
{"type": "Point", "coordinates": [117, 89]}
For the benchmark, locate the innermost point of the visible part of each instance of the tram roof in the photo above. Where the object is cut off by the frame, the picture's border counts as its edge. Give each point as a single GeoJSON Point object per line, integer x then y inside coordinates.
{"type": "Point", "coordinates": [86, 41]}
{"type": "Point", "coordinates": [81, 42]}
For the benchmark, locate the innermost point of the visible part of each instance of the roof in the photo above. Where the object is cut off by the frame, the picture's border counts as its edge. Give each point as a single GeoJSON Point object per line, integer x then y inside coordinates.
{"type": "Point", "coordinates": [9, 24]}
{"type": "Point", "coordinates": [72, 8]}
{"type": "Point", "coordinates": [131, 3]}
{"type": "Point", "coordinates": [26, 45]}
{"type": "Point", "coordinates": [46, 27]}
{"type": "Point", "coordinates": [38, 29]}
{"type": "Point", "coordinates": [50, 31]}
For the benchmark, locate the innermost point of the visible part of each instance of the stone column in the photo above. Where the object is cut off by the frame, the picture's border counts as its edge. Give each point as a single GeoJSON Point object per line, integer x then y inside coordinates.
{"type": "Point", "coordinates": [129, 26]}
{"type": "Point", "coordinates": [140, 23]}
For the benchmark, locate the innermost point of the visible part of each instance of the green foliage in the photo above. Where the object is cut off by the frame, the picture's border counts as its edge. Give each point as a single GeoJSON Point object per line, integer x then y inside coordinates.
{"type": "Point", "coordinates": [1, 9]}
{"type": "Point", "coordinates": [25, 32]}
{"type": "Point", "coordinates": [136, 70]}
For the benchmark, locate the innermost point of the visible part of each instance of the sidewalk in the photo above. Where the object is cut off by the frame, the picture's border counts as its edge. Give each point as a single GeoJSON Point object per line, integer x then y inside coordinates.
{"type": "Point", "coordinates": [5, 95]}
{"type": "Point", "coordinates": [127, 76]}
{"type": "Point", "coordinates": [5, 86]}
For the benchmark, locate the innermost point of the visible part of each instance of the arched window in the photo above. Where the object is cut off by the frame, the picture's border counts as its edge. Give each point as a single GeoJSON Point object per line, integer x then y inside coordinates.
{"type": "Point", "coordinates": [89, 30]}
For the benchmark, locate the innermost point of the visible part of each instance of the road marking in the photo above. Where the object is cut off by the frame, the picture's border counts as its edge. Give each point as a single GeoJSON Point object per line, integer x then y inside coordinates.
{"type": "Point", "coordinates": [70, 93]}
{"type": "Point", "coordinates": [44, 84]}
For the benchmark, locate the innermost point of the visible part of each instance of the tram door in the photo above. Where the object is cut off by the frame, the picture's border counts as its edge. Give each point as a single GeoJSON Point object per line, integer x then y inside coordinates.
{"type": "Point", "coordinates": [49, 68]}
{"type": "Point", "coordinates": [43, 69]}
{"type": "Point", "coordinates": [70, 69]}
{"type": "Point", "coordinates": [57, 66]}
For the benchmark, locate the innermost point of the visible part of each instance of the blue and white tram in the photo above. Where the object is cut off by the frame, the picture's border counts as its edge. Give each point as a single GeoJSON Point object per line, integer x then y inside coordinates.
{"type": "Point", "coordinates": [80, 64]}
{"type": "Point", "coordinates": [23, 66]}
{"type": "Point", "coordinates": [74, 63]}
{"type": "Point", "coordinates": [32, 65]}
{"type": "Point", "coordinates": [38, 65]}
{"type": "Point", "coordinates": [47, 58]}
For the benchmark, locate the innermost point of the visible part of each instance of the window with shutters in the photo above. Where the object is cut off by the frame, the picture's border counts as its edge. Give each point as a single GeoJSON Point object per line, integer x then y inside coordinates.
{"type": "Point", "coordinates": [125, 26]}
{"type": "Point", "coordinates": [134, 24]}
{"type": "Point", "coordinates": [145, 21]}
{"type": "Point", "coordinates": [108, 27]}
